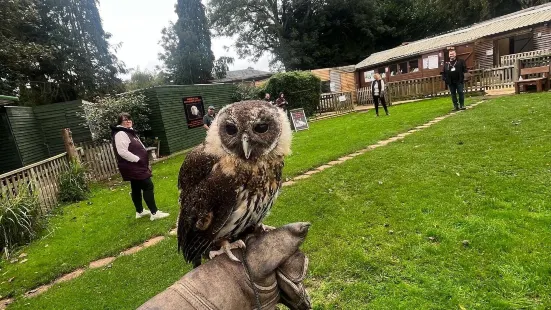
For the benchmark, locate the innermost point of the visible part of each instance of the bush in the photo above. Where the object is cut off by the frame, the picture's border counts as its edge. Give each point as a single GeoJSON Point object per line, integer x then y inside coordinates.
{"type": "Point", "coordinates": [301, 89]}
{"type": "Point", "coordinates": [19, 219]}
{"type": "Point", "coordinates": [247, 92]}
{"type": "Point", "coordinates": [73, 186]}
{"type": "Point", "coordinates": [104, 113]}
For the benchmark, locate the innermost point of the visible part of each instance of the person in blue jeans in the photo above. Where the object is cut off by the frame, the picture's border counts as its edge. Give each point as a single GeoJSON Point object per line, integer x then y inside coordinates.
{"type": "Point", "coordinates": [454, 76]}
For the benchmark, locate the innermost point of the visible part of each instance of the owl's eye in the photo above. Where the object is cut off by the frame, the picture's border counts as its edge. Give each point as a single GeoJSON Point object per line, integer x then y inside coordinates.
{"type": "Point", "coordinates": [231, 129]}
{"type": "Point", "coordinates": [261, 128]}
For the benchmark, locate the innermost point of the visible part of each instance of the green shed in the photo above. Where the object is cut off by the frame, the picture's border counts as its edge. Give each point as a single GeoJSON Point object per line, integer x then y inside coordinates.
{"type": "Point", "coordinates": [168, 118]}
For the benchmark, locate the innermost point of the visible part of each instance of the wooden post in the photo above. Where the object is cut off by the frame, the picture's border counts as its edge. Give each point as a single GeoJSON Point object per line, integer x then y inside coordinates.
{"type": "Point", "coordinates": [516, 70]}
{"type": "Point", "coordinates": [69, 145]}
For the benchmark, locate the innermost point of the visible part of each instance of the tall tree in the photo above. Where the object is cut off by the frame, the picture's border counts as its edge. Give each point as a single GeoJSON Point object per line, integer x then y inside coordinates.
{"type": "Point", "coordinates": [188, 57]}
{"type": "Point", "coordinates": [66, 52]}
{"type": "Point", "coordinates": [140, 79]}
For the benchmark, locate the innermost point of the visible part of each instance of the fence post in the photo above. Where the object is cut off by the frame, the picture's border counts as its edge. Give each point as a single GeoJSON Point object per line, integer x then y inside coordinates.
{"type": "Point", "coordinates": [69, 145]}
{"type": "Point", "coordinates": [516, 70]}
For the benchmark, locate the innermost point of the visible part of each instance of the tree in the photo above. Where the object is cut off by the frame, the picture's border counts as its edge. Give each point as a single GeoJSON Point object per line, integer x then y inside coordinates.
{"type": "Point", "coordinates": [56, 50]}
{"type": "Point", "coordinates": [188, 58]}
{"type": "Point", "coordinates": [143, 79]}
{"type": "Point", "coordinates": [221, 67]}
{"type": "Point", "coordinates": [300, 34]}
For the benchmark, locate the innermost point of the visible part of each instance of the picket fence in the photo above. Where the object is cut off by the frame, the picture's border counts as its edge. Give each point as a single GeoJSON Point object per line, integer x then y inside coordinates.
{"type": "Point", "coordinates": [336, 102]}
{"type": "Point", "coordinates": [43, 177]}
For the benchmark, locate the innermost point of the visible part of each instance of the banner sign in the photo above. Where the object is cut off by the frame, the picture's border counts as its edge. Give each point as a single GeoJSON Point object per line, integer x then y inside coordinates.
{"type": "Point", "coordinates": [299, 119]}
{"type": "Point", "coordinates": [195, 110]}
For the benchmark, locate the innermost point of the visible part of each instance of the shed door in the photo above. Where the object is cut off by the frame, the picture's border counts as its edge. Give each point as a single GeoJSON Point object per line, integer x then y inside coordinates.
{"type": "Point", "coordinates": [335, 81]}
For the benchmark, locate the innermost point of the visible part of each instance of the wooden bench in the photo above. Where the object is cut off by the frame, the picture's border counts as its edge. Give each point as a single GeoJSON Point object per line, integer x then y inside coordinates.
{"type": "Point", "coordinates": [542, 83]}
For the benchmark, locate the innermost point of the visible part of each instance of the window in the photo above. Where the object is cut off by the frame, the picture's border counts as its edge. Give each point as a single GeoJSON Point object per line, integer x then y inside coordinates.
{"type": "Point", "coordinates": [382, 72]}
{"type": "Point", "coordinates": [403, 67]}
{"type": "Point", "coordinates": [393, 70]}
{"type": "Point", "coordinates": [414, 66]}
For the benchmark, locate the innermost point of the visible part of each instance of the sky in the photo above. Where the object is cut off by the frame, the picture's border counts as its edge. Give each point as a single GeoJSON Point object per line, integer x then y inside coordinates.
{"type": "Point", "coordinates": [138, 24]}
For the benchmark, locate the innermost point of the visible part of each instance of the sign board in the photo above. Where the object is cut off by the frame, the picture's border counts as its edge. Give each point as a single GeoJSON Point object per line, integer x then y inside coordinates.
{"type": "Point", "coordinates": [368, 75]}
{"type": "Point", "coordinates": [342, 98]}
{"type": "Point", "coordinates": [195, 110]}
{"type": "Point", "coordinates": [299, 119]}
{"type": "Point", "coordinates": [490, 52]}
{"type": "Point", "coordinates": [433, 62]}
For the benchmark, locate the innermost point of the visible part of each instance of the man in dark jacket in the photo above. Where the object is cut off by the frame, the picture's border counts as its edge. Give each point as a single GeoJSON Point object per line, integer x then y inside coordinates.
{"type": "Point", "coordinates": [454, 76]}
{"type": "Point", "coordinates": [133, 163]}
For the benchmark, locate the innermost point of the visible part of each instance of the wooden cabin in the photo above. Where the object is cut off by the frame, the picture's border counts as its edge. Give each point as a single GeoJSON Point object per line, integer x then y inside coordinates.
{"type": "Point", "coordinates": [496, 42]}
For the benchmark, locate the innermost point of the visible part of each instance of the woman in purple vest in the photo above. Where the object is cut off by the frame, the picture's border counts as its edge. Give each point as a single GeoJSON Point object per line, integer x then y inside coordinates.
{"type": "Point", "coordinates": [133, 163]}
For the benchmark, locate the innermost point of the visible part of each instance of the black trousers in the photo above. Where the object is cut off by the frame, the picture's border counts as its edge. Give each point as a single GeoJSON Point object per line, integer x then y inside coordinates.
{"type": "Point", "coordinates": [376, 102]}
{"type": "Point", "coordinates": [145, 187]}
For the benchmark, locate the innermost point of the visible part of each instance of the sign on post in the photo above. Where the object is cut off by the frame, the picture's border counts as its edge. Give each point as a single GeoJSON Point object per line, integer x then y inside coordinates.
{"type": "Point", "coordinates": [195, 110]}
{"type": "Point", "coordinates": [299, 120]}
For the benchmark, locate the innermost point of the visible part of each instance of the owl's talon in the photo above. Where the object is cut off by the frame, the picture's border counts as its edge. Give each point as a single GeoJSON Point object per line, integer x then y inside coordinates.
{"type": "Point", "coordinates": [226, 248]}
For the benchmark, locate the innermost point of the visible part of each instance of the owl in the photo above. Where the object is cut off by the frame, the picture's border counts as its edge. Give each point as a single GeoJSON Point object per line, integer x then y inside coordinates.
{"type": "Point", "coordinates": [229, 183]}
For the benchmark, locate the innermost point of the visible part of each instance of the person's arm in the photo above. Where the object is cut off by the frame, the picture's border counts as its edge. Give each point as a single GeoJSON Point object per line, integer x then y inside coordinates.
{"type": "Point", "coordinates": [205, 122]}
{"type": "Point", "coordinates": [465, 70]}
{"type": "Point", "coordinates": [122, 141]}
{"type": "Point", "coordinates": [382, 87]}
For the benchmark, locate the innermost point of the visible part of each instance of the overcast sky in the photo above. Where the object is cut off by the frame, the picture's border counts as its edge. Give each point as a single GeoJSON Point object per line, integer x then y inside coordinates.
{"type": "Point", "coordinates": [138, 24]}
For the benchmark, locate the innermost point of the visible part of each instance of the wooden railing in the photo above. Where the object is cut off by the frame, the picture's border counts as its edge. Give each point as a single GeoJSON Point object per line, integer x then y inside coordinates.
{"type": "Point", "coordinates": [99, 160]}
{"type": "Point", "coordinates": [364, 96]}
{"type": "Point", "coordinates": [509, 60]}
{"type": "Point", "coordinates": [335, 102]}
{"type": "Point", "coordinates": [42, 176]}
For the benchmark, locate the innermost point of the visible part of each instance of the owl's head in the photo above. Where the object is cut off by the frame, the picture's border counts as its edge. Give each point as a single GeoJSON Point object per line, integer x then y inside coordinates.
{"type": "Point", "coordinates": [250, 130]}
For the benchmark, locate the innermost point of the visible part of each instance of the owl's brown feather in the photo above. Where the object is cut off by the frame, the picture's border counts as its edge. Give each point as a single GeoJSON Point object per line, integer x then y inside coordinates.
{"type": "Point", "coordinates": [222, 192]}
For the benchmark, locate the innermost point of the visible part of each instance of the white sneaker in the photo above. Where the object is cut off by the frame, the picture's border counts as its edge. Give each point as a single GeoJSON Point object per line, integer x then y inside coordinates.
{"type": "Point", "coordinates": [159, 215]}
{"type": "Point", "coordinates": [144, 213]}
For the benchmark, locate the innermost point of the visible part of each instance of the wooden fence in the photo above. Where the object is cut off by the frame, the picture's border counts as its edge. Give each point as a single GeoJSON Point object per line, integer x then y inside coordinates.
{"type": "Point", "coordinates": [98, 159]}
{"type": "Point", "coordinates": [41, 176]}
{"type": "Point", "coordinates": [428, 87]}
{"type": "Point", "coordinates": [335, 102]}
{"type": "Point", "coordinates": [509, 60]}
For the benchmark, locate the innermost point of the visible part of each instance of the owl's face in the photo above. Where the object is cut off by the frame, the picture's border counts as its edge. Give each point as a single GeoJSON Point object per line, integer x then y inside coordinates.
{"type": "Point", "coordinates": [250, 130]}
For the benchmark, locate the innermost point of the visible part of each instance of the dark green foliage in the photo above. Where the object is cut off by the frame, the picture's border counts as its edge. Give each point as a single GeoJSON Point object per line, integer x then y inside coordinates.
{"type": "Point", "coordinates": [73, 186]}
{"type": "Point", "coordinates": [188, 58]}
{"type": "Point", "coordinates": [301, 89]}
{"type": "Point", "coordinates": [57, 48]}
{"type": "Point", "coordinates": [19, 218]}
{"type": "Point", "coordinates": [247, 91]}
{"type": "Point", "coordinates": [140, 79]}
{"type": "Point", "coordinates": [221, 67]}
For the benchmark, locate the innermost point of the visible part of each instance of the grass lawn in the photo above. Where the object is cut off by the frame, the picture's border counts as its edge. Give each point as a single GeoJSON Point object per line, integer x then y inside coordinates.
{"type": "Point", "coordinates": [453, 217]}
{"type": "Point", "coordinates": [83, 232]}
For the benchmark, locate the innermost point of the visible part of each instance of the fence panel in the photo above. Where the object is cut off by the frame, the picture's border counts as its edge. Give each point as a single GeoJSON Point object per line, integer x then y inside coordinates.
{"type": "Point", "coordinates": [99, 160]}
{"type": "Point", "coordinates": [42, 176]}
{"type": "Point", "coordinates": [335, 102]}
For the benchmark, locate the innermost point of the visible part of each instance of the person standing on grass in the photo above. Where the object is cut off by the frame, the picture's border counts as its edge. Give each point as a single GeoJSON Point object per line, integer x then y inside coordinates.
{"type": "Point", "coordinates": [133, 163]}
{"type": "Point", "coordinates": [209, 118]}
{"type": "Point", "coordinates": [378, 92]}
{"type": "Point", "coordinates": [454, 76]}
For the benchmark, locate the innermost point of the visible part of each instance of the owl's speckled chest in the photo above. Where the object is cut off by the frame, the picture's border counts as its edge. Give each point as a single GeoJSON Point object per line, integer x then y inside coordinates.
{"type": "Point", "coordinates": [257, 189]}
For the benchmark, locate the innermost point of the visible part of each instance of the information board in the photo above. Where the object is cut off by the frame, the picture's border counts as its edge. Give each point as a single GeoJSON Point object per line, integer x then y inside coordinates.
{"type": "Point", "coordinates": [195, 110]}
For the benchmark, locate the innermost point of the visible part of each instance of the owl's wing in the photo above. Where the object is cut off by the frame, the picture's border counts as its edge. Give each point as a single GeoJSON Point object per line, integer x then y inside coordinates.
{"type": "Point", "coordinates": [207, 200]}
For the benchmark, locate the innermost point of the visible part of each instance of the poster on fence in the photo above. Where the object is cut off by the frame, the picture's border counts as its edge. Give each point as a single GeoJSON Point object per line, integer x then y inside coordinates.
{"type": "Point", "coordinates": [195, 110]}
{"type": "Point", "coordinates": [299, 119]}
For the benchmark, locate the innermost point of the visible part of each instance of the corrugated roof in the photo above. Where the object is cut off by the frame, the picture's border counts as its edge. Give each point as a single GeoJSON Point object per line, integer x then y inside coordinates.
{"type": "Point", "coordinates": [243, 75]}
{"type": "Point", "coordinates": [524, 18]}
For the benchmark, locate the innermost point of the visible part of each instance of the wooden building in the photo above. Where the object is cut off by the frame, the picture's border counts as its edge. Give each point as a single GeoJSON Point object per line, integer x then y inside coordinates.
{"type": "Point", "coordinates": [340, 79]}
{"type": "Point", "coordinates": [491, 43]}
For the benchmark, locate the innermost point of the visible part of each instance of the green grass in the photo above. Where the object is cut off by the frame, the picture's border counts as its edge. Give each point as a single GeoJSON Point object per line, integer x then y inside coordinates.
{"type": "Point", "coordinates": [389, 225]}
{"type": "Point", "coordinates": [82, 233]}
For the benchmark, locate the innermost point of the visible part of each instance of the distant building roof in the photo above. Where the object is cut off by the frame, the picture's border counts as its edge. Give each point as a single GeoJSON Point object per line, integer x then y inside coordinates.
{"type": "Point", "coordinates": [244, 75]}
{"type": "Point", "coordinates": [524, 18]}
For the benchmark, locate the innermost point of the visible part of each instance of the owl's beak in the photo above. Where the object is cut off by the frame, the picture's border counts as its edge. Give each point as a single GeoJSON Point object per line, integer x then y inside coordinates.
{"type": "Point", "coordinates": [247, 149]}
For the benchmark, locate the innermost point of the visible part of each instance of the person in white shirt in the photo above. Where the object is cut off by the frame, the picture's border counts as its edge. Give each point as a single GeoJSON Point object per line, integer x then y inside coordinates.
{"type": "Point", "coordinates": [378, 92]}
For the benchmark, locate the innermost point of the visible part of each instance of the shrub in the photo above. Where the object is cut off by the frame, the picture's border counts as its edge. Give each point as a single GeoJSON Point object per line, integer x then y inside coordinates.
{"type": "Point", "coordinates": [105, 111]}
{"type": "Point", "coordinates": [73, 186]}
{"type": "Point", "coordinates": [301, 89]}
{"type": "Point", "coordinates": [246, 92]}
{"type": "Point", "coordinates": [19, 219]}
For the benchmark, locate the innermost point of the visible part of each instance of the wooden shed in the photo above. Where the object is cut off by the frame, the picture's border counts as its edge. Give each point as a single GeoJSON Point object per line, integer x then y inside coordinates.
{"type": "Point", "coordinates": [168, 118]}
{"type": "Point", "coordinates": [340, 79]}
{"type": "Point", "coordinates": [488, 44]}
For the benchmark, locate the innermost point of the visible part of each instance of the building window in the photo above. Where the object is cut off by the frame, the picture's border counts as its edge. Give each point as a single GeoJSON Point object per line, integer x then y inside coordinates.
{"type": "Point", "coordinates": [393, 70]}
{"type": "Point", "coordinates": [382, 72]}
{"type": "Point", "coordinates": [414, 66]}
{"type": "Point", "coordinates": [403, 67]}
